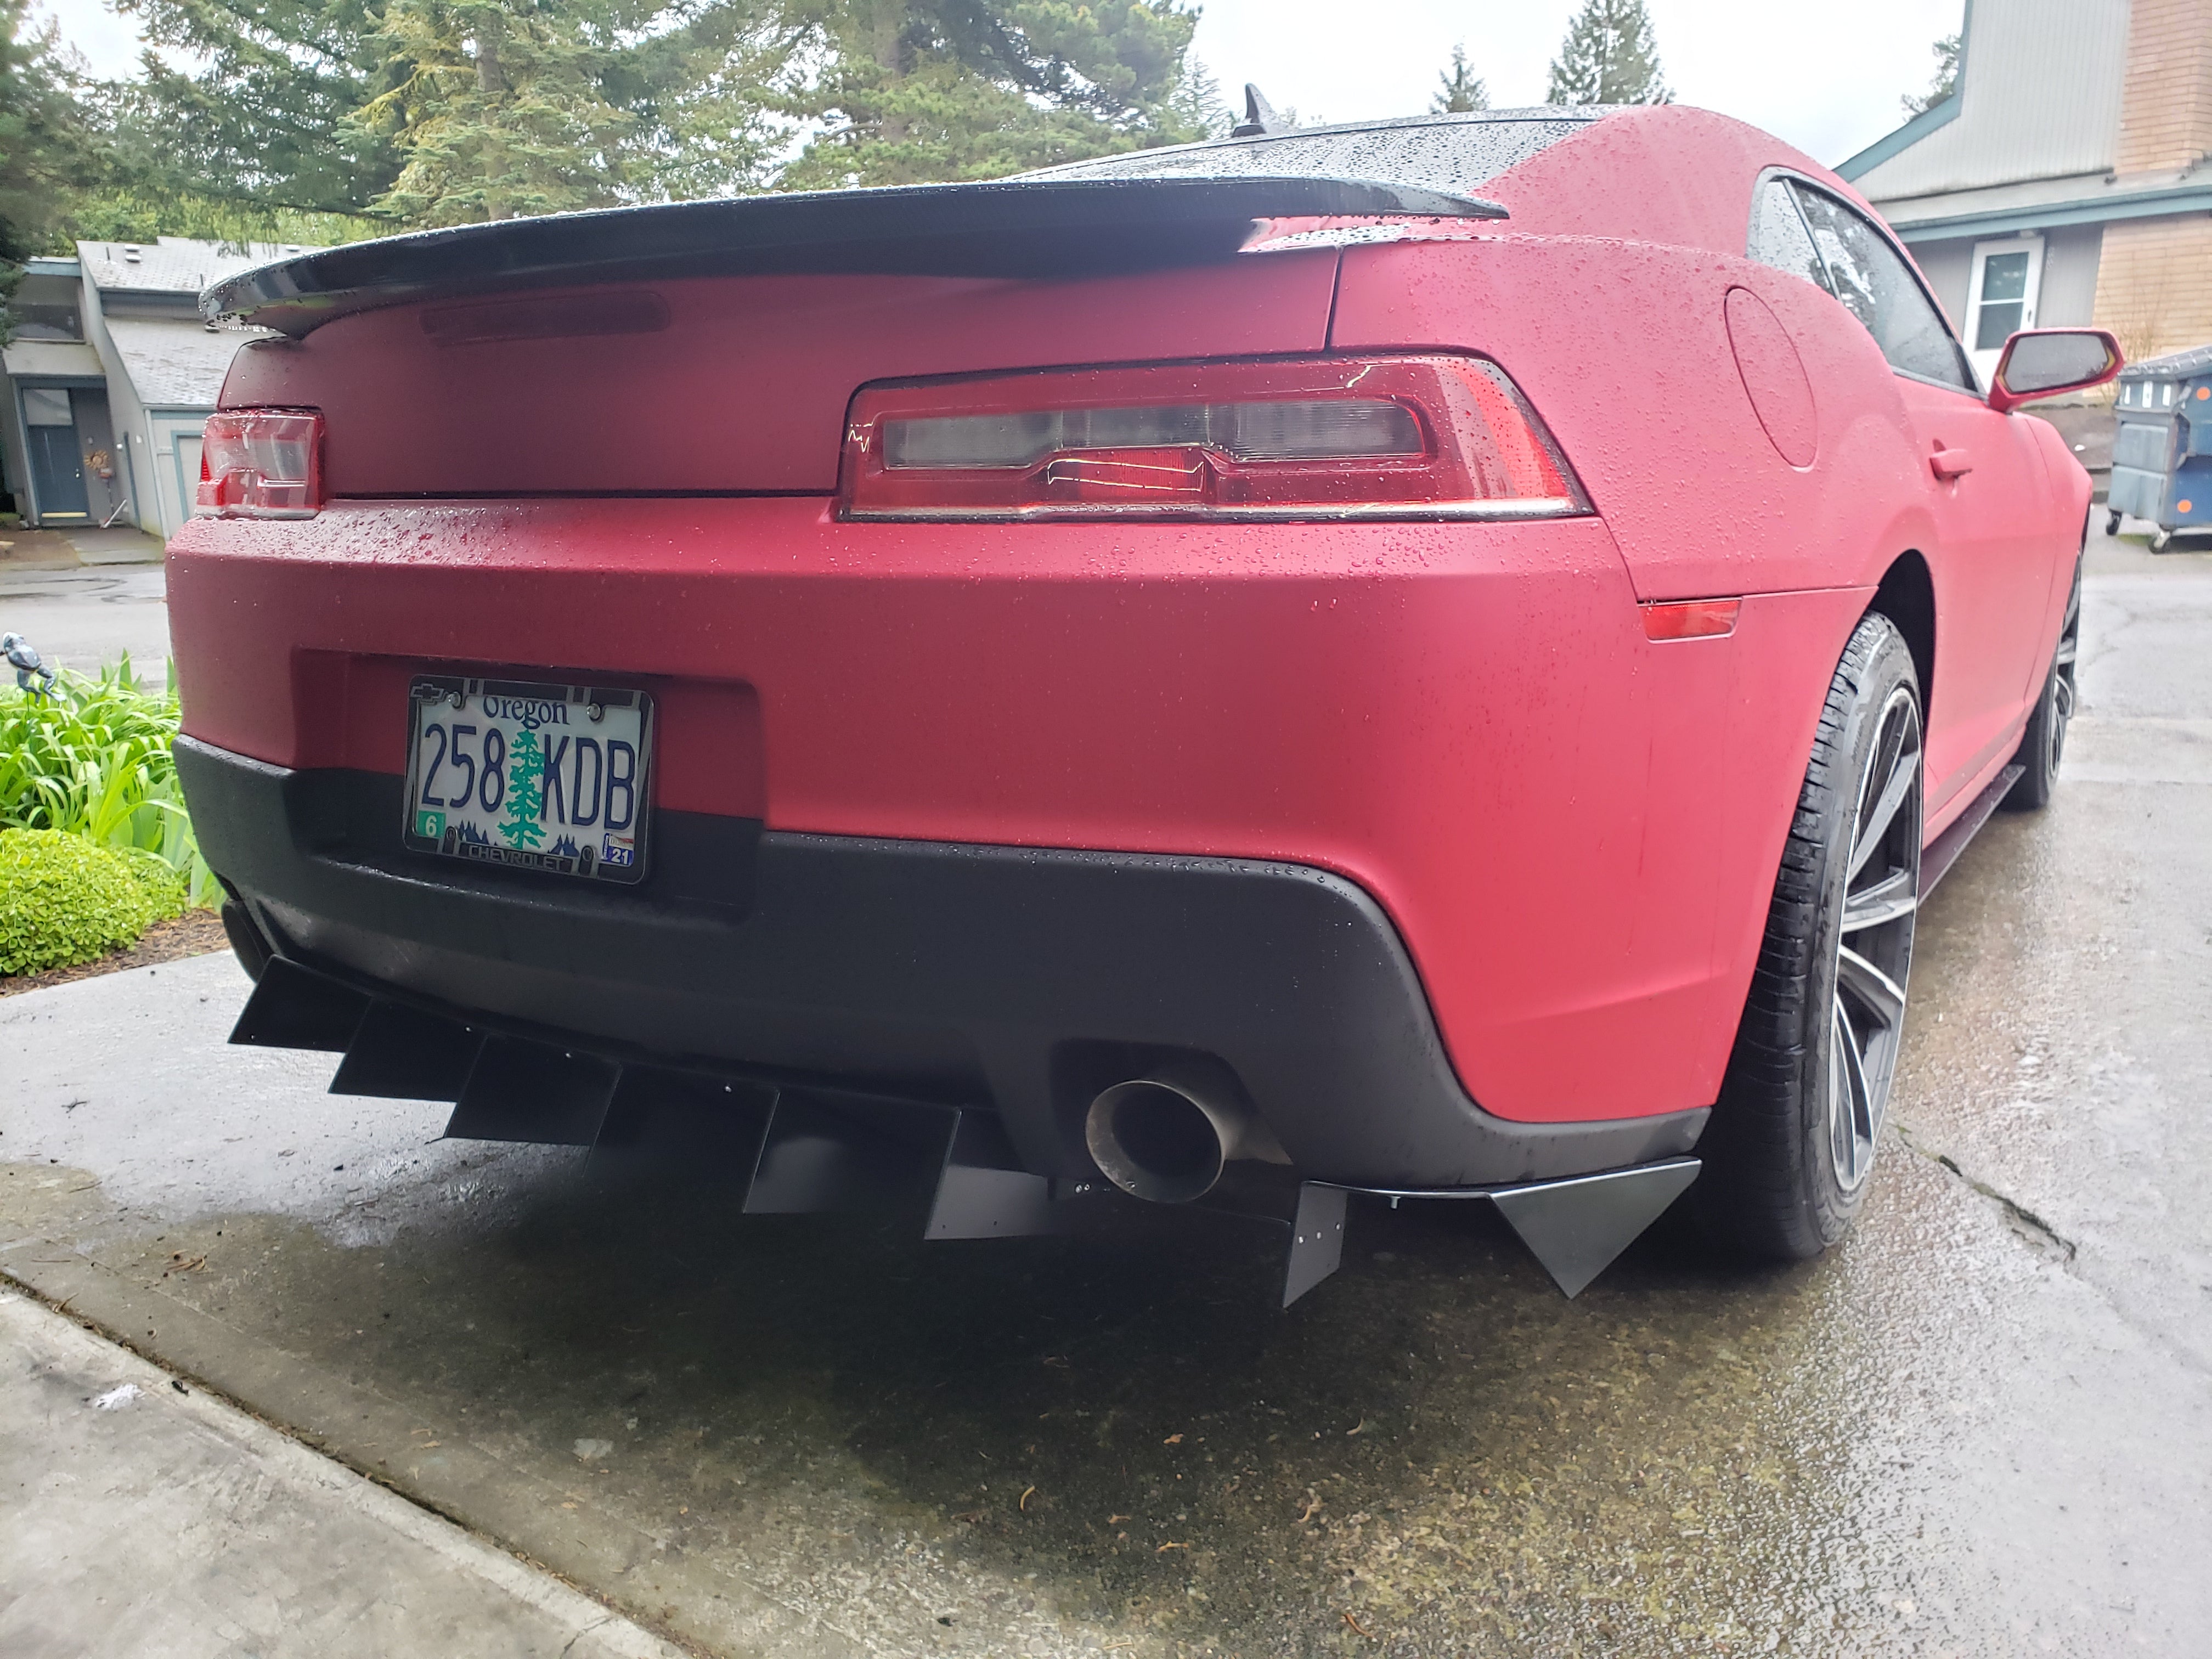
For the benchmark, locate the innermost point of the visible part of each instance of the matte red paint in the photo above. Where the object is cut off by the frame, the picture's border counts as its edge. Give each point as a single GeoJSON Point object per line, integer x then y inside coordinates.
{"type": "Point", "coordinates": [1773, 378]}
{"type": "Point", "coordinates": [745, 388]}
{"type": "Point", "coordinates": [1575, 827]}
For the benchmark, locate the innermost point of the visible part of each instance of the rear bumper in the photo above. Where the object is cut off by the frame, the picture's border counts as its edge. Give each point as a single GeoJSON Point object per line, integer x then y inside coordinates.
{"type": "Point", "coordinates": [1020, 978]}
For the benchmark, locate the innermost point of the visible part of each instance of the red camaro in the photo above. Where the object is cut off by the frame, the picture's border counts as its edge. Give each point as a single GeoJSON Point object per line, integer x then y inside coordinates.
{"type": "Point", "coordinates": [1435, 658]}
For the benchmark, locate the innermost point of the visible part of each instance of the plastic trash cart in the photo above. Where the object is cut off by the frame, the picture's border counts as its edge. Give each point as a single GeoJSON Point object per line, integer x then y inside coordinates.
{"type": "Point", "coordinates": [2162, 452]}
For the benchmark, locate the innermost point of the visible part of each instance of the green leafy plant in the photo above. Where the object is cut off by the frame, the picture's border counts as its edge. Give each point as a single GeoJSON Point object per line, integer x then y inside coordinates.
{"type": "Point", "coordinates": [64, 900]}
{"type": "Point", "coordinates": [92, 761]}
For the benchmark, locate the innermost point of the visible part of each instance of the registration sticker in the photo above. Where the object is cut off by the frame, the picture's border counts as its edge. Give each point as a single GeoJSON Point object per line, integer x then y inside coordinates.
{"type": "Point", "coordinates": [533, 776]}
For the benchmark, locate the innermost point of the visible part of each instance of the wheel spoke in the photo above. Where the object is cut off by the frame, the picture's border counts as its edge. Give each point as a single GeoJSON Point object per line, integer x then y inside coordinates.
{"type": "Point", "coordinates": [1884, 901]}
{"type": "Point", "coordinates": [1850, 1105]}
{"type": "Point", "coordinates": [1903, 775]}
{"type": "Point", "coordinates": [1874, 990]}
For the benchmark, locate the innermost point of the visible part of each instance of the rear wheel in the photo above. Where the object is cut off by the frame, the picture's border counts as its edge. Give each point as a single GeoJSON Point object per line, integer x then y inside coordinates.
{"type": "Point", "coordinates": [2112, 522]}
{"type": "Point", "coordinates": [1792, 1139]}
{"type": "Point", "coordinates": [2042, 745]}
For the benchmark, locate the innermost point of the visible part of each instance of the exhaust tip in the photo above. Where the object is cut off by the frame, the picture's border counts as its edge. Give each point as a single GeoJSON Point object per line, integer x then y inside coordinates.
{"type": "Point", "coordinates": [1166, 1136]}
{"type": "Point", "coordinates": [1155, 1140]}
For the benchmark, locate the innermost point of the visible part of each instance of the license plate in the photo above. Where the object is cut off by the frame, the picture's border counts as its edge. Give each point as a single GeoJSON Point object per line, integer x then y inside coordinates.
{"type": "Point", "coordinates": [532, 776]}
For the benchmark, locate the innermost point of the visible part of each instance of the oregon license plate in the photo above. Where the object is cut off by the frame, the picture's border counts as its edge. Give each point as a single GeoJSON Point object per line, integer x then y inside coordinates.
{"type": "Point", "coordinates": [532, 776]}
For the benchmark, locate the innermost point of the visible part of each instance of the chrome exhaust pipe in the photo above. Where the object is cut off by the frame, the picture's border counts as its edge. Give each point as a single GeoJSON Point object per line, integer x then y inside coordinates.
{"type": "Point", "coordinates": [1166, 1136]}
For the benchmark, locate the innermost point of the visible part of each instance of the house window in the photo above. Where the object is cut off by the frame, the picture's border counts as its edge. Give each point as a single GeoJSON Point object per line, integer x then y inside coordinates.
{"type": "Point", "coordinates": [46, 406]}
{"type": "Point", "coordinates": [35, 321]}
{"type": "Point", "coordinates": [2000, 295]}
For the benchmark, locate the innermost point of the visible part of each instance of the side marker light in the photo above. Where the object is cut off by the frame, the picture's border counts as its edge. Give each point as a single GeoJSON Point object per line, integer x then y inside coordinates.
{"type": "Point", "coordinates": [1690, 619]}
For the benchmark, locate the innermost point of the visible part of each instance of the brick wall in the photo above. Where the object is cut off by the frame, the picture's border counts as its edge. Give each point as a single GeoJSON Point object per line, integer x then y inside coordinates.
{"type": "Point", "coordinates": [2166, 119]}
{"type": "Point", "coordinates": [2155, 283]}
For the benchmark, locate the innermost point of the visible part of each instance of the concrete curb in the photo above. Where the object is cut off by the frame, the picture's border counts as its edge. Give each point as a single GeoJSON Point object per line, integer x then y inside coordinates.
{"type": "Point", "coordinates": [195, 1527]}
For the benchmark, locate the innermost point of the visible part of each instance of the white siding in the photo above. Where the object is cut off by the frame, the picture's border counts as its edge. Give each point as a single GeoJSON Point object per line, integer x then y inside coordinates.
{"type": "Point", "coordinates": [2041, 99]}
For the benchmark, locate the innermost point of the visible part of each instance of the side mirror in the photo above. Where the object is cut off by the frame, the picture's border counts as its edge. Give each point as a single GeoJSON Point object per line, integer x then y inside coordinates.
{"type": "Point", "coordinates": [2041, 362]}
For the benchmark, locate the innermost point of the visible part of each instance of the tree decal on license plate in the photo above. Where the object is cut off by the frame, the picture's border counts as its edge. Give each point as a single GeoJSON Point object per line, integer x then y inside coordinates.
{"type": "Point", "coordinates": [525, 790]}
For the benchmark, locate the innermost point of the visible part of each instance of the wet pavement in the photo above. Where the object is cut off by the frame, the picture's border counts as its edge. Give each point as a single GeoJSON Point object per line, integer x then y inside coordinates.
{"type": "Point", "coordinates": [86, 620]}
{"type": "Point", "coordinates": [1984, 1425]}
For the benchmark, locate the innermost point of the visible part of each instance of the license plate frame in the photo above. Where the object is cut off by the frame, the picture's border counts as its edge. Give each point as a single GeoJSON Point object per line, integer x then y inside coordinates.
{"type": "Point", "coordinates": [578, 718]}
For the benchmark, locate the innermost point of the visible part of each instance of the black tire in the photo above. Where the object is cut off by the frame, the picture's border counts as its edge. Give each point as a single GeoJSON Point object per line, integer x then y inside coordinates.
{"type": "Point", "coordinates": [1791, 1142]}
{"type": "Point", "coordinates": [2042, 745]}
{"type": "Point", "coordinates": [2112, 522]}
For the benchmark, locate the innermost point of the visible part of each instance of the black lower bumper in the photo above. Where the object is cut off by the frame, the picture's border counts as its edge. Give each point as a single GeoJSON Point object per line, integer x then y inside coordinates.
{"type": "Point", "coordinates": [1021, 980]}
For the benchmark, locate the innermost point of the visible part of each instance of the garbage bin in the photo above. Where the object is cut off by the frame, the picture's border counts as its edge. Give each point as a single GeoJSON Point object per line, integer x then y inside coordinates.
{"type": "Point", "coordinates": [2162, 452]}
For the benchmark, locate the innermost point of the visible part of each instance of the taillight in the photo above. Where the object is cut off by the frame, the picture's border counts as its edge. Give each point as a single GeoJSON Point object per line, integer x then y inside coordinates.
{"type": "Point", "coordinates": [1320, 437]}
{"type": "Point", "coordinates": [262, 463]}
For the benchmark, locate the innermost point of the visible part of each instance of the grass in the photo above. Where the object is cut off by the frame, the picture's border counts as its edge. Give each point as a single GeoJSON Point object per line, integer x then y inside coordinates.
{"type": "Point", "coordinates": [93, 760]}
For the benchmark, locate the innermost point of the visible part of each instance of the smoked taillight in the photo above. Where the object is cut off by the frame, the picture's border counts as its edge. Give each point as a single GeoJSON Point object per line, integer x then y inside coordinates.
{"type": "Point", "coordinates": [262, 463]}
{"type": "Point", "coordinates": [1410, 437]}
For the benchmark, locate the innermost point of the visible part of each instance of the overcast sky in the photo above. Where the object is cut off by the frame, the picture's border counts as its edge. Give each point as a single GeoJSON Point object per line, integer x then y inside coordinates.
{"type": "Point", "coordinates": [1826, 78]}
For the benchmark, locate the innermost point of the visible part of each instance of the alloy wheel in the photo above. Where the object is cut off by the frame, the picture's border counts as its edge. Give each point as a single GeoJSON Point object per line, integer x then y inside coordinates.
{"type": "Point", "coordinates": [2063, 692]}
{"type": "Point", "coordinates": [1874, 947]}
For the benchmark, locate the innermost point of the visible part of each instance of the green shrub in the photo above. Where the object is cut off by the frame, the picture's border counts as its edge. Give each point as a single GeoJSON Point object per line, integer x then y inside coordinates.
{"type": "Point", "coordinates": [64, 900]}
{"type": "Point", "coordinates": [93, 760]}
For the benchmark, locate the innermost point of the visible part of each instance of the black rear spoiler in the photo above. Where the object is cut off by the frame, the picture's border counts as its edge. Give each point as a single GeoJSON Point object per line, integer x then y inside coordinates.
{"type": "Point", "coordinates": [1013, 228]}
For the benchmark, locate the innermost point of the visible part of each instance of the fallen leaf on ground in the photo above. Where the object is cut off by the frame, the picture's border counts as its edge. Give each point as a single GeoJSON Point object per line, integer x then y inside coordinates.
{"type": "Point", "coordinates": [1354, 1622]}
{"type": "Point", "coordinates": [1165, 1548]}
{"type": "Point", "coordinates": [1022, 1503]}
{"type": "Point", "coordinates": [1172, 1440]}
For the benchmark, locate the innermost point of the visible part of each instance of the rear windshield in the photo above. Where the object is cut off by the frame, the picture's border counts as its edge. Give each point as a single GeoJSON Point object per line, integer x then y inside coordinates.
{"type": "Point", "coordinates": [1448, 153]}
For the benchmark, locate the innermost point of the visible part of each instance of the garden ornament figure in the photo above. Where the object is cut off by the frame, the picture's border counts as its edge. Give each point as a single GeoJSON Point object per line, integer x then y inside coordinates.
{"type": "Point", "coordinates": [32, 673]}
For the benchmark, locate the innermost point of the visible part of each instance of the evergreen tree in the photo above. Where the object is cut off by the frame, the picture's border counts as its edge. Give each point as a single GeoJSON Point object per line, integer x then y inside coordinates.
{"type": "Point", "coordinates": [1463, 90]}
{"type": "Point", "coordinates": [48, 150]}
{"type": "Point", "coordinates": [1945, 80]}
{"type": "Point", "coordinates": [260, 119]}
{"type": "Point", "coordinates": [320, 120]}
{"type": "Point", "coordinates": [912, 90]}
{"type": "Point", "coordinates": [1610, 56]}
{"type": "Point", "coordinates": [498, 109]}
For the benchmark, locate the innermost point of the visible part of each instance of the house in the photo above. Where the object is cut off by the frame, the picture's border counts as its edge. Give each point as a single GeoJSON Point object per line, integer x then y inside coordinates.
{"type": "Point", "coordinates": [2067, 180]}
{"type": "Point", "coordinates": [110, 373]}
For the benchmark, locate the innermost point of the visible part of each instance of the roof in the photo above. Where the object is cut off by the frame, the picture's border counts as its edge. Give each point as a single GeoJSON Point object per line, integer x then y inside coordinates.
{"type": "Point", "coordinates": [2174, 365]}
{"type": "Point", "coordinates": [2038, 96]}
{"type": "Point", "coordinates": [175, 361]}
{"type": "Point", "coordinates": [1039, 225]}
{"type": "Point", "coordinates": [173, 264]}
{"type": "Point", "coordinates": [53, 357]}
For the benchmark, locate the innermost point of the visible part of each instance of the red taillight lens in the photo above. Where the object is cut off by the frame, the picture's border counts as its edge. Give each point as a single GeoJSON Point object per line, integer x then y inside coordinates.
{"type": "Point", "coordinates": [262, 463]}
{"type": "Point", "coordinates": [1326, 438]}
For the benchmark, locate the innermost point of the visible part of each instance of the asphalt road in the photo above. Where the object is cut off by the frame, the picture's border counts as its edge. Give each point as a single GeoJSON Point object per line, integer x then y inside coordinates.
{"type": "Point", "coordinates": [1984, 1425]}
{"type": "Point", "coordinates": [88, 619]}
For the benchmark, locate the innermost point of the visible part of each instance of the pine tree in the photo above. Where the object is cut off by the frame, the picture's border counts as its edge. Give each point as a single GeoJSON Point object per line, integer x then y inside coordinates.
{"type": "Point", "coordinates": [525, 790]}
{"type": "Point", "coordinates": [1946, 80]}
{"type": "Point", "coordinates": [1610, 56]}
{"type": "Point", "coordinates": [1463, 90]}
{"type": "Point", "coordinates": [913, 90]}
{"type": "Point", "coordinates": [258, 118]}
{"type": "Point", "coordinates": [500, 112]}
{"type": "Point", "coordinates": [48, 150]}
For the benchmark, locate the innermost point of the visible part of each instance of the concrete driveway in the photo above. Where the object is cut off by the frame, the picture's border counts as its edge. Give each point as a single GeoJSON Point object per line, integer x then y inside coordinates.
{"type": "Point", "coordinates": [1984, 1425]}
